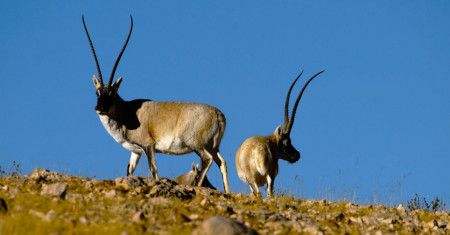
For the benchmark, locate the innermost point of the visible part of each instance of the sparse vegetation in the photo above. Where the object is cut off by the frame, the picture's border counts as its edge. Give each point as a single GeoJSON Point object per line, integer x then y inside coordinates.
{"type": "Point", "coordinates": [13, 170]}
{"type": "Point", "coordinates": [417, 204]}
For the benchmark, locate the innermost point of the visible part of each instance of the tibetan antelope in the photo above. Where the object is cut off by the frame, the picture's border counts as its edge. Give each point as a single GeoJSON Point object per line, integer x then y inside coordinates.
{"type": "Point", "coordinates": [191, 177]}
{"type": "Point", "coordinates": [257, 157]}
{"type": "Point", "coordinates": [146, 126]}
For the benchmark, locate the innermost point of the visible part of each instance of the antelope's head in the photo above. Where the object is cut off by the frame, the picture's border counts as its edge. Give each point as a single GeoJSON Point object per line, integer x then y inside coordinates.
{"type": "Point", "coordinates": [106, 94]}
{"type": "Point", "coordinates": [282, 138]}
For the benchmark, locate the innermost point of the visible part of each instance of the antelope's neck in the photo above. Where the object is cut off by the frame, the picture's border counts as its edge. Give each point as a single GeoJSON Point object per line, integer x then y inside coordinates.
{"type": "Point", "coordinates": [116, 124]}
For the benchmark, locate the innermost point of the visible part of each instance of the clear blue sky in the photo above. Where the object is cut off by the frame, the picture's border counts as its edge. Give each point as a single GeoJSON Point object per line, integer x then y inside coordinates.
{"type": "Point", "coordinates": [377, 122]}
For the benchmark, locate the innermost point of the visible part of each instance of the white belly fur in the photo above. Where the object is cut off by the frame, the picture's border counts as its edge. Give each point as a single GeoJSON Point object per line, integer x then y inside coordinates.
{"type": "Point", "coordinates": [169, 144]}
{"type": "Point", "coordinates": [113, 129]}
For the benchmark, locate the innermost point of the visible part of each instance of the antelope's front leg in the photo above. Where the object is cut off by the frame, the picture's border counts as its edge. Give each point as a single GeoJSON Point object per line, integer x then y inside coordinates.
{"type": "Point", "coordinates": [134, 160]}
{"type": "Point", "coordinates": [150, 153]}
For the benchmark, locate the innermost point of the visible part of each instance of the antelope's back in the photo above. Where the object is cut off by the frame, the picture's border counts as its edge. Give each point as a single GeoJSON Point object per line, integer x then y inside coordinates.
{"type": "Point", "coordinates": [193, 123]}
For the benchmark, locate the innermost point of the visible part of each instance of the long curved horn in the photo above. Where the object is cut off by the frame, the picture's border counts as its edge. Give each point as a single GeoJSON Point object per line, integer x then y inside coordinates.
{"type": "Point", "coordinates": [93, 52]}
{"type": "Point", "coordinates": [120, 55]}
{"type": "Point", "coordinates": [286, 105]}
{"type": "Point", "coordinates": [291, 122]}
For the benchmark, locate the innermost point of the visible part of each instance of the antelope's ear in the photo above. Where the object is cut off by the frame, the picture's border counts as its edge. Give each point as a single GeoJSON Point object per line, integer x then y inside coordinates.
{"type": "Point", "coordinates": [116, 85]}
{"type": "Point", "coordinates": [193, 167]}
{"type": "Point", "coordinates": [97, 83]}
{"type": "Point", "coordinates": [279, 131]}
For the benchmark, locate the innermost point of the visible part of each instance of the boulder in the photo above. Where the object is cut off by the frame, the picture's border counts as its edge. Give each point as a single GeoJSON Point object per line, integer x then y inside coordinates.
{"type": "Point", "coordinates": [218, 225]}
{"type": "Point", "coordinates": [56, 189]}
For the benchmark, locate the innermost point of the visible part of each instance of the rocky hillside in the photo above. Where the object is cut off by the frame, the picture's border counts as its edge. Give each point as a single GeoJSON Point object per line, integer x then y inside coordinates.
{"type": "Point", "coordinates": [51, 203]}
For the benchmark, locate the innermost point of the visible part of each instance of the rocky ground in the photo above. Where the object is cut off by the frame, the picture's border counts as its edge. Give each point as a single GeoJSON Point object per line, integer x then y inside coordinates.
{"type": "Point", "coordinates": [52, 203]}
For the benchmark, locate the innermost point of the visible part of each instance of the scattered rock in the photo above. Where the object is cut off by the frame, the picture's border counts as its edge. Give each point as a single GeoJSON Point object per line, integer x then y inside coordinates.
{"type": "Point", "coordinates": [46, 175]}
{"type": "Point", "coordinates": [3, 206]}
{"type": "Point", "coordinates": [110, 194]}
{"type": "Point", "coordinates": [224, 208]}
{"type": "Point", "coordinates": [50, 216]}
{"type": "Point", "coordinates": [401, 209]}
{"type": "Point", "coordinates": [134, 181]}
{"type": "Point", "coordinates": [218, 225]}
{"type": "Point", "coordinates": [40, 174]}
{"type": "Point", "coordinates": [4, 187]}
{"type": "Point", "coordinates": [83, 220]}
{"type": "Point", "coordinates": [276, 217]}
{"type": "Point", "coordinates": [205, 202]}
{"type": "Point", "coordinates": [169, 188]}
{"type": "Point", "coordinates": [36, 213]}
{"type": "Point", "coordinates": [143, 205]}
{"type": "Point", "coordinates": [194, 216]}
{"type": "Point", "coordinates": [56, 189]}
{"type": "Point", "coordinates": [161, 201]}
{"type": "Point", "coordinates": [89, 185]}
{"type": "Point", "coordinates": [138, 217]}
{"type": "Point", "coordinates": [13, 191]}
{"type": "Point", "coordinates": [74, 197]}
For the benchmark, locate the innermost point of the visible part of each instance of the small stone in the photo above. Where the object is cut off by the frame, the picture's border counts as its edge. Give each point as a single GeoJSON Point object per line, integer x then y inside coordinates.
{"type": "Point", "coordinates": [74, 197]}
{"type": "Point", "coordinates": [3, 206]}
{"type": "Point", "coordinates": [194, 217]}
{"type": "Point", "coordinates": [312, 229]}
{"type": "Point", "coordinates": [160, 201]}
{"type": "Point", "coordinates": [89, 185]}
{"type": "Point", "coordinates": [205, 202]}
{"type": "Point", "coordinates": [84, 220]}
{"type": "Point", "coordinates": [56, 189]}
{"type": "Point", "coordinates": [36, 213]}
{"type": "Point", "coordinates": [218, 225]}
{"type": "Point", "coordinates": [138, 217]}
{"type": "Point", "coordinates": [276, 217]}
{"type": "Point", "coordinates": [110, 194]}
{"type": "Point", "coordinates": [224, 208]}
{"type": "Point", "coordinates": [14, 191]}
{"type": "Point", "coordinates": [18, 208]}
{"type": "Point", "coordinates": [4, 187]}
{"type": "Point", "coordinates": [401, 209]}
{"type": "Point", "coordinates": [378, 232]}
{"type": "Point", "coordinates": [51, 215]}
{"type": "Point", "coordinates": [432, 224]}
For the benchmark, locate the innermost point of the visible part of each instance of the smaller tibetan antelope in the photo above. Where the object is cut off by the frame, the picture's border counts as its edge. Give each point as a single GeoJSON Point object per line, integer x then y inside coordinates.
{"type": "Point", "coordinates": [145, 126]}
{"type": "Point", "coordinates": [257, 158]}
{"type": "Point", "coordinates": [191, 177]}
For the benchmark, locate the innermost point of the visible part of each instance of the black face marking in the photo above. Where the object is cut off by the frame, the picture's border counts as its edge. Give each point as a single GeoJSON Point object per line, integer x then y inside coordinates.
{"type": "Point", "coordinates": [287, 151]}
{"type": "Point", "coordinates": [104, 100]}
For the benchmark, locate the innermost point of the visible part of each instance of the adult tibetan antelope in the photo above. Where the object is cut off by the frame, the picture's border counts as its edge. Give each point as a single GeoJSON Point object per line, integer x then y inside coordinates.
{"type": "Point", "coordinates": [145, 126]}
{"type": "Point", "coordinates": [257, 158]}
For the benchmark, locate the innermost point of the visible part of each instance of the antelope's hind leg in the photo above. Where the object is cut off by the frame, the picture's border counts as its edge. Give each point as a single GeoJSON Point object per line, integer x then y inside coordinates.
{"type": "Point", "coordinates": [269, 186]}
{"type": "Point", "coordinates": [223, 169]}
{"type": "Point", "coordinates": [255, 189]}
{"type": "Point", "coordinates": [206, 162]}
